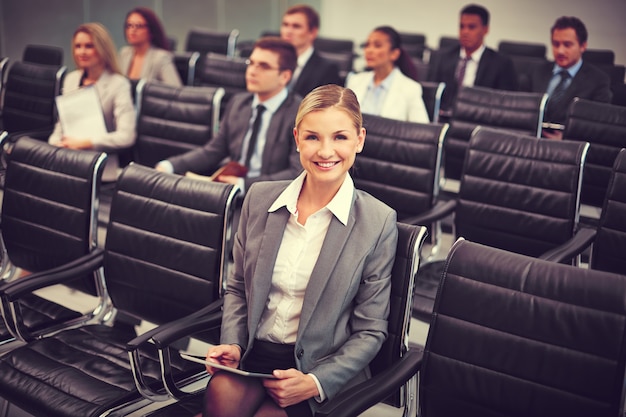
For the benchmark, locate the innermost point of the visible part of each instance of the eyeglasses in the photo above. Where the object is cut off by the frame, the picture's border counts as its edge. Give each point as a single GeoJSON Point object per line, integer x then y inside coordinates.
{"type": "Point", "coordinates": [263, 66]}
{"type": "Point", "coordinates": [135, 25]}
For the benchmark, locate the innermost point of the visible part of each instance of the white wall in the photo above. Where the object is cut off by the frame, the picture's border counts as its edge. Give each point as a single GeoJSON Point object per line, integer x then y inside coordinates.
{"type": "Point", "coordinates": [525, 20]}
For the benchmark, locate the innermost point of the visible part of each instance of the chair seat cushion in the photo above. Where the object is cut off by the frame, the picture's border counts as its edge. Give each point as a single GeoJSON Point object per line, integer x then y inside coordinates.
{"type": "Point", "coordinates": [94, 362]}
{"type": "Point", "coordinates": [37, 312]}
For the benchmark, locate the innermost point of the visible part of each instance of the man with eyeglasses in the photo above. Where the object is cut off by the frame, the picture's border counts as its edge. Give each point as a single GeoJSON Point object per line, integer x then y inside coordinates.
{"type": "Point", "coordinates": [256, 130]}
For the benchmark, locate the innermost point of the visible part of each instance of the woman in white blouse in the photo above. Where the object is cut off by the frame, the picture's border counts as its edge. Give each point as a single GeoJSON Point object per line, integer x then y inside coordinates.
{"type": "Point", "coordinates": [388, 88]}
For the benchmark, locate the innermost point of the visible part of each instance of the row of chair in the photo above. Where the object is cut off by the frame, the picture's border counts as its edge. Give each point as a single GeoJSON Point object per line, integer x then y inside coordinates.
{"type": "Point", "coordinates": [388, 144]}
{"type": "Point", "coordinates": [163, 260]}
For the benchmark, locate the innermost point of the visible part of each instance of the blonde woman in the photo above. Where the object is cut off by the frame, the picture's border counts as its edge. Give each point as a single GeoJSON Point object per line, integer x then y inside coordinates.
{"type": "Point", "coordinates": [308, 297]}
{"type": "Point", "coordinates": [96, 65]}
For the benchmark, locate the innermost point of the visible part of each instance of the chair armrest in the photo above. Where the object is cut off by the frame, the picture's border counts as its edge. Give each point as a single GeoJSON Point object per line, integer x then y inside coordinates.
{"type": "Point", "coordinates": [568, 250]}
{"type": "Point", "coordinates": [360, 397]}
{"type": "Point", "coordinates": [168, 333]}
{"type": "Point", "coordinates": [437, 212]}
{"type": "Point", "coordinates": [16, 289]}
{"type": "Point", "coordinates": [163, 336]}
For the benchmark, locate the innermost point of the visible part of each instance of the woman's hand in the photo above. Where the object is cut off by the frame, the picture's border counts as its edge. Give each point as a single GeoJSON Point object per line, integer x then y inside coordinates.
{"type": "Point", "coordinates": [290, 387]}
{"type": "Point", "coordinates": [76, 143]}
{"type": "Point", "coordinates": [228, 355]}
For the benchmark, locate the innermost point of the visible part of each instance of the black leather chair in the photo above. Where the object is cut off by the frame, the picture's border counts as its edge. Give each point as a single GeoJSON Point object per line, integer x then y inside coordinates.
{"type": "Point", "coordinates": [513, 111]}
{"type": "Point", "coordinates": [400, 165]}
{"type": "Point", "coordinates": [446, 42]}
{"type": "Point", "coordinates": [28, 98]}
{"type": "Point", "coordinates": [334, 45]}
{"type": "Point", "coordinates": [517, 48]}
{"type": "Point", "coordinates": [163, 259]}
{"type": "Point", "coordinates": [414, 44]}
{"type": "Point", "coordinates": [218, 70]}
{"type": "Point", "coordinates": [514, 336]}
{"type": "Point", "coordinates": [517, 193]}
{"type": "Point", "coordinates": [48, 221]}
{"type": "Point", "coordinates": [604, 127]}
{"type": "Point", "coordinates": [204, 40]}
{"type": "Point", "coordinates": [186, 65]}
{"type": "Point", "coordinates": [174, 120]}
{"type": "Point", "coordinates": [410, 239]}
{"type": "Point", "coordinates": [343, 59]}
{"type": "Point", "coordinates": [432, 93]}
{"type": "Point", "coordinates": [609, 237]}
{"type": "Point", "coordinates": [525, 66]}
{"type": "Point", "coordinates": [599, 56]}
{"type": "Point", "coordinates": [609, 244]}
{"type": "Point", "coordinates": [43, 54]}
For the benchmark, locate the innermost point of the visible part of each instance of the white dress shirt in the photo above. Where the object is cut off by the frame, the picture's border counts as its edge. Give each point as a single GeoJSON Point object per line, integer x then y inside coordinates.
{"type": "Point", "coordinates": [471, 68]}
{"type": "Point", "coordinates": [298, 253]}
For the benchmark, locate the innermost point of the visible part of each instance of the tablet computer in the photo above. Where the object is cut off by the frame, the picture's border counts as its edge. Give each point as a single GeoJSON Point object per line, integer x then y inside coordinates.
{"type": "Point", "coordinates": [225, 368]}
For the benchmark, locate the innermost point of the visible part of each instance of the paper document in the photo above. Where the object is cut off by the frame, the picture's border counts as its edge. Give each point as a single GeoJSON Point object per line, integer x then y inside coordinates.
{"type": "Point", "coordinates": [80, 113]}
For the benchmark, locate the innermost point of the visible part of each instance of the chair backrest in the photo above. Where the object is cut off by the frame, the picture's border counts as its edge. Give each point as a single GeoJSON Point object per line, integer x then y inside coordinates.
{"type": "Point", "coordinates": [610, 243]}
{"type": "Point", "coordinates": [519, 193]}
{"type": "Point", "coordinates": [414, 44]}
{"type": "Point", "coordinates": [603, 125]}
{"type": "Point", "coordinates": [599, 56]}
{"type": "Point", "coordinates": [522, 337]}
{"type": "Point", "coordinates": [169, 234]}
{"type": "Point", "coordinates": [334, 45]}
{"type": "Point", "coordinates": [446, 42]}
{"type": "Point", "coordinates": [343, 59]}
{"type": "Point", "coordinates": [518, 48]}
{"type": "Point", "coordinates": [43, 54]}
{"type": "Point", "coordinates": [204, 40]}
{"type": "Point", "coordinates": [514, 111]}
{"type": "Point", "coordinates": [49, 207]}
{"type": "Point", "coordinates": [400, 163]}
{"type": "Point", "coordinates": [218, 70]}
{"type": "Point", "coordinates": [525, 66]}
{"type": "Point", "coordinates": [410, 240]}
{"type": "Point", "coordinates": [28, 96]}
{"type": "Point", "coordinates": [432, 93]}
{"type": "Point", "coordinates": [186, 65]}
{"type": "Point", "coordinates": [173, 120]}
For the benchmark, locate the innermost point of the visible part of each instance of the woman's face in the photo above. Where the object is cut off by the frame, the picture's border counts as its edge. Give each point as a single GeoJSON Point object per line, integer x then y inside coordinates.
{"type": "Point", "coordinates": [136, 29]}
{"type": "Point", "coordinates": [378, 52]}
{"type": "Point", "coordinates": [85, 54]}
{"type": "Point", "coordinates": [328, 143]}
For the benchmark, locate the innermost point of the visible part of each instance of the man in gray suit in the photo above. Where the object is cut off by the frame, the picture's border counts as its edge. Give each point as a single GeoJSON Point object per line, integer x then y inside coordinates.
{"type": "Point", "coordinates": [265, 146]}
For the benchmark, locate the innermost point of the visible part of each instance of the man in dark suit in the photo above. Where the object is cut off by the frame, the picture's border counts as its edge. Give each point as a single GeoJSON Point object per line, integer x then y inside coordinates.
{"type": "Point", "coordinates": [568, 76]}
{"type": "Point", "coordinates": [265, 146]}
{"type": "Point", "coordinates": [471, 63]}
{"type": "Point", "coordinates": [300, 26]}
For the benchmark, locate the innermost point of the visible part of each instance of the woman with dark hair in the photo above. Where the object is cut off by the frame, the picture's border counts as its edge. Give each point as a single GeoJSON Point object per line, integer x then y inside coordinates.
{"type": "Point", "coordinates": [388, 88]}
{"type": "Point", "coordinates": [147, 55]}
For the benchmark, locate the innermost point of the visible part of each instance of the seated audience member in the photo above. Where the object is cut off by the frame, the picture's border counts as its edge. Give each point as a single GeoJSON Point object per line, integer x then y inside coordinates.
{"type": "Point", "coordinates": [264, 145]}
{"type": "Point", "coordinates": [568, 76]}
{"type": "Point", "coordinates": [147, 55]}
{"type": "Point", "coordinates": [471, 63]}
{"type": "Point", "coordinates": [389, 88]}
{"type": "Point", "coordinates": [300, 26]}
{"type": "Point", "coordinates": [308, 297]}
{"type": "Point", "coordinates": [96, 63]}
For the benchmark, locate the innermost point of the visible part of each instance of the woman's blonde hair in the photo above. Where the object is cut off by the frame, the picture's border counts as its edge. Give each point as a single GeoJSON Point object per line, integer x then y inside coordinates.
{"type": "Point", "coordinates": [331, 95]}
{"type": "Point", "coordinates": [103, 43]}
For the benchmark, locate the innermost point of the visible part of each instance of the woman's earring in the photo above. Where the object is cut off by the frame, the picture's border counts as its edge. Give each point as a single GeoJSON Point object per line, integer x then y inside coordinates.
{"type": "Point", "coordinates": [297, 149]}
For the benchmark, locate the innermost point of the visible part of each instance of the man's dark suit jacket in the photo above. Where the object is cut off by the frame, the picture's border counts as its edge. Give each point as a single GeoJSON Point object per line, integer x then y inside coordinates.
{"type": "Point", "coordinates": [494, 71]}
{"type": "Point", "coordinates": [280, 159]}
{"type": "Point", "coordinates": [317, 71]}
{"type": "Point", "coordinates": [589, 83]}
